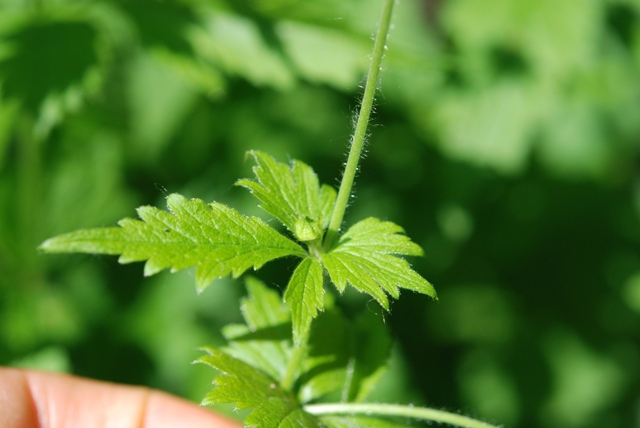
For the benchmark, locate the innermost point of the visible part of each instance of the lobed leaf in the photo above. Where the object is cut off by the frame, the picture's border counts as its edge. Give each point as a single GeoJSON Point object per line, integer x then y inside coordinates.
{"type": "Point", "coordinates": [292, 194]}
{"type": "Point", "coordinates": [265, 341]}
{"type": "Point", "coordinates": [379, 236]}
{"type": "Point", "coordinates": [248, 388]}
{"type": "Point", "coordinates": [216, 239]}
{"type": "Point", "coordinates": [367, 258]}
{"type": "Point", "coordinates": [304, 295]}
{"type": "Point", "coordinates": [299, 418]}
{"type": "Point", "coordinates": [263, 307]}
{"type": "Point", "coordinates": [268, 350]}
{"type": "Point", "coordinates": [345, 358]}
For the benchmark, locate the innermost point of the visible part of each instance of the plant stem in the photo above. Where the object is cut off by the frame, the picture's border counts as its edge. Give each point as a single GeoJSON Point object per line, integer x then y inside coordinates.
{"type": "Point", "coordinates": [360, 132]}
{"type": "Point", "coordinates": [374, 409]}
{"type": "Point", "coordinates": [293, 366]}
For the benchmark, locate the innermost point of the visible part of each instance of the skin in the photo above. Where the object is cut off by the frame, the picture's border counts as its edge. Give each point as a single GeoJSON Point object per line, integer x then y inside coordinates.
{"type": "Point", "coordinates": [33, 399]}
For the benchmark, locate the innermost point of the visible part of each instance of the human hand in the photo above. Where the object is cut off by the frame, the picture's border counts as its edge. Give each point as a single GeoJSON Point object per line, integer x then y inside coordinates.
{"type": "Point", "coordinates": [46, 400]}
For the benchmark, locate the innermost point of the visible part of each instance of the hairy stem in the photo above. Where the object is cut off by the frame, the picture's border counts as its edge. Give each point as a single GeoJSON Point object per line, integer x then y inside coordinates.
{"type": "Point", "coordinates": [373, 409]}
{"type": "Point", "coordinates": [359, 134]}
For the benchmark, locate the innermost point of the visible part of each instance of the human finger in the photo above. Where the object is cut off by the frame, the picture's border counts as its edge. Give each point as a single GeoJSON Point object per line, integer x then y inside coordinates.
{"type": "Point", "coordinates": [47, 400]}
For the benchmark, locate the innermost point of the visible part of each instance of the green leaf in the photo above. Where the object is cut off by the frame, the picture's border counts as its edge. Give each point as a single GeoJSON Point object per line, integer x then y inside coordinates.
{"type": "Point", "coordinates": [263, 307]}
{"type": "Point", "coordinates": [234, 45]}
{"type": "Point", "coordinates": [372, 349]}
{"type": "Point", "coordinates": [338, 59]}
{"type": "Point", "coordinates": [156, 116]}
{"type": "Point", "coordinates": [268, 350]}
{"type": "Point", "coordinates": [345, 356]}
{"type": "Point", "coordinates": [162, 24]}
{"type": "Point", "coordinates": [248, 388]}
{"type": "Point", "coordinates": [304, 296]}
{"type": "Point", "coordinates": [366, 258]}
{"type": "Point", "coordinates": [299, 418]}
{"type": "Point", "coordinates": [292, 194]}
{"type": "Point", "coordinates": [213, 237]}
{"type": "Point", "coordinates": [68, 65]}
{"type": "Point", "coordinates": [324, 373]}
{"type": "Point", "coordinates": [265, 341]}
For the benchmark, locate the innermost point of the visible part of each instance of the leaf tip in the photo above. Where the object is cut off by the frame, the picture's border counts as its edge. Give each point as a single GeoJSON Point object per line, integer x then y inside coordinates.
{"type": "Point", "coordinates": [46, 246]}
{"type": "Point", "coordinates": [54, 245]}
{"type": "Point", "coordinates": [250, 153]}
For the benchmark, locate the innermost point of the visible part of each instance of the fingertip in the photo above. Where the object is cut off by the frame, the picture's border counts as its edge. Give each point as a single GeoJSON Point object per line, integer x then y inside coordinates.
{"type": "Point", "coordinates": [17, 408]}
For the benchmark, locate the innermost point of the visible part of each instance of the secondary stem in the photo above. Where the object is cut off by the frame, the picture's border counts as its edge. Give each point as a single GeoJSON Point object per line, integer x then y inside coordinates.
{"type": "Point", "coordinates": [422, 413]}
{"type": "Point", "coordinates": [293, 366]}
{"type": "Point", "coordinates": [360, 132]}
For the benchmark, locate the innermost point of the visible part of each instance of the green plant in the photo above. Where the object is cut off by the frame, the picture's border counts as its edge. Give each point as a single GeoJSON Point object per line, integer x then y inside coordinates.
{"type": "Point", "coordinates": [287, 360]}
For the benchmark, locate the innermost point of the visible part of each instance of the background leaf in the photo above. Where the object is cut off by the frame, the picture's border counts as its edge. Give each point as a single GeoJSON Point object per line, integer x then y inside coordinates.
{"type": "Point", "coordinates": [346, 357]}
{"type": "Point", "coordinates": [67, 49]}
{"type": "Point", "coordinates": [373, 345]}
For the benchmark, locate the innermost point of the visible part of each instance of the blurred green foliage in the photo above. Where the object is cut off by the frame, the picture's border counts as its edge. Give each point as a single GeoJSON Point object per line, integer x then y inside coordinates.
{"type": "Point", "coordinates": [505, 141]}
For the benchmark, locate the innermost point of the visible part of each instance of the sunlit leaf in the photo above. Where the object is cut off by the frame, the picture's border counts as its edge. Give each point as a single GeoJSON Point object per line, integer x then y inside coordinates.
{"type": "Point", "coordinates": [292, 194]}
{"type": "Point", "coordinates": [235, 45]}
{"type": "Point", "coordinates": [304, 296]}
{"type": "Point", "coordinates": [263, 307]}
{"type": "Point", "coordinates": [265, 340]}
{"type": "Point", "coordinates": [213, 237]}
{"type": "Point", "coordinates": [325, 55]}
{"type": "Point", "coordinates": [156, 115]}
{"type": "Point", "coordinates": [490, 126]}
{"type": "Point", "coordinates": [367, 258]}
{"type": "Point", "coordinates": [248, 388]}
